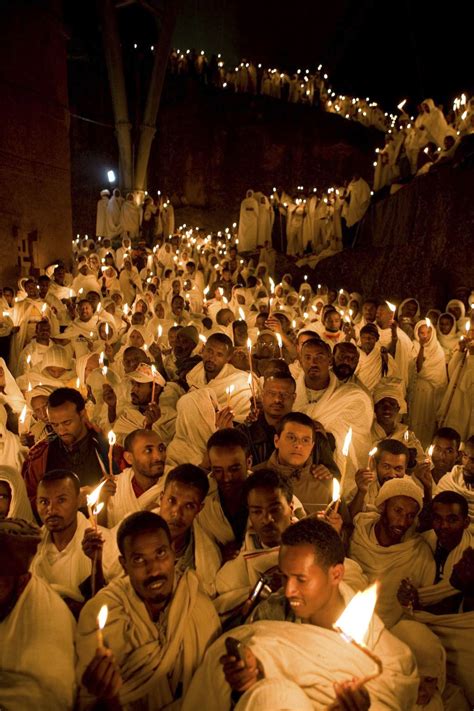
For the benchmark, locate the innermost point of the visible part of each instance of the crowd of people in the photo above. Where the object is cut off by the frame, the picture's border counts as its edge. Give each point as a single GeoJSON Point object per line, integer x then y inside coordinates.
{"type": "Point", "coordinates": [198, 455]}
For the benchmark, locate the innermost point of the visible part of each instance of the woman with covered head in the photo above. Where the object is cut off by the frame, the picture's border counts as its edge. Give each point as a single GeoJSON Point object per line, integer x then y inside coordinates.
{"type": "Point", "coordinates": [56, 370]}
{"type": "Point", "coordinates": [458, 310]}
{"type": "Point", "coordinates": [14, 502]}
{"type": "Point", "coordinates": [446, 331]}
{"type": "Point", "coordinates": [430, 381]}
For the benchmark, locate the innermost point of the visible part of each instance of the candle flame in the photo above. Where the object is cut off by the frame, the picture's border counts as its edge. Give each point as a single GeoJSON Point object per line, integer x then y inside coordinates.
{"type": "Point", "coordinates": [202, 338]}
{"type": "Point", "coordinates": [112, 437]}
{"type": "Point", "coordinates": [428, 322]}
{"type": "Point", "coordinates": [102, 616]}
{"type": "Point", "coordinates": [28, 359]}
{"type": "Point", "coordinates": [347, 442]}
{"type": "Point", "coordinates": [336, 490]}
{"type": "Point", "coordinates": [468, 326]}
{"type": "Point", "coordinates": [355, 620]}
{"type": "Point", "coordinates": [104, 371]}
{"type": "Point", "coordinates": [430, 450]}
{"type": "Point", "coordinates": [279, 339]}
{"type": "Point", "coordinates": [30, 387]}
{"type": "Point", "coordinates": [93, 497]}
{"type": "Point", "coordinates": [249, 344]}
{"type": "Point", "coordinates": [126, 309]}
{"type": "Point", "coordinates": [402, 104]}
{"type": "Point", "coordinates": [392, 307]}
{"type": "Point", "coordinates": [160, 331]}
{"type": "Point", "coordinates": [372, 451]}
{"type": "Point", "coordinates": [406, 436]}
{"type": "Point", "coordinates": [22, 417]}
{"type": "Point", "coordinates": [272, 285]}
{"type": "Point", "coordinates": [241, 314]}
{"type": "Point", "coordinates": [97, 509]}
{"type": "Point", "coordinates": [229, 390]}
{"type": "Point", "coordinates": [43, 308]}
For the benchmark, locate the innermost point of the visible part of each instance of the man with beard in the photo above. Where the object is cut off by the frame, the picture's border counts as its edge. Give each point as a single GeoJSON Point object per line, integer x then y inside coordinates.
{"type": "Point", "coordinates": [229, 384]}
{"type": "Point", "coordinates": [385, 545]}
{"type": "Point", "coordinates": [461, 477]}
{"type": "Point", "coordinates": [139, 486]}
{"type": "Point", "coordinates": [389, 462]}
{"type": "Point", "coordinates": [444, 457]}
{"type": "Point", "coordinates": [181, 361]}
{"type": "Point", "coordinates": [345, 359]}
{"type": "Point", "coordinates": [157, 629]}
{"type": "Point", "coordinates": [144, 411]}
{"type": "Point", "coordinates": [69, 543]}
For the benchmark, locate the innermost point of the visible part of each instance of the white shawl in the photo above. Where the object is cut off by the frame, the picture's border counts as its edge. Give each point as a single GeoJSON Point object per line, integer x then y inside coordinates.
{"type": "Point", "coordinates": [454, 481]}
{"type": "Point", "coordinates": [19, 504]}
{"type": "Point", "coordinates": [37, 652]}
{"type": "Point", "coordinates": [240, 398]}
{"type": "Point", "coordinates": [153, 659]}
{"type": "Point", "coordinates": [369, 369]}
{"type": "Point", "coordinates": [125, 502]}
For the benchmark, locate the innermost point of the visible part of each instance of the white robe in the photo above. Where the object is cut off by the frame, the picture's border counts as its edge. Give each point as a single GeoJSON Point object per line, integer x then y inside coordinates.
{"type": "Point", "coordinates": [454, 481]}
{"type": "Point", "coordinates": [369, 369]}
{"type": "Point", "coordinates": [153, 658]}
{"type": "Point", "coordinates": [311, 658]}
{"type": "Point", "coordinates": [248, 225]}
{"type": "Point", "coordinates": [101, 217]}
{"type": "Point", "coordinates": [359, 192]}
{"type": "Point", "coordinates": [229, 376]}
{"type": "Point", "coordinates": [37, 652]}
{"type": "Point", "coordinates": [457, 406]}
{"type": "Point", "coordinates": [125, 502]}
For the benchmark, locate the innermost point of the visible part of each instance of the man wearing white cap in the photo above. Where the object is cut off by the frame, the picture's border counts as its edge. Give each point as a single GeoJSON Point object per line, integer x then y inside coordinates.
{"type": "Point", "coordinates": [144, 411]}
{"type": "Point", "coordinates": [385, 545]}
{"type": "Point", "coordinates": [389, 405]}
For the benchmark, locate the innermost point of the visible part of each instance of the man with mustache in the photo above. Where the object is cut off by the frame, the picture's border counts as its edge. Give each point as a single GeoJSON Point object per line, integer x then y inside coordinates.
{"type": "Point", "coordinates": [69, 543]}
{"type": "Point", "coordinates": [157, 629]}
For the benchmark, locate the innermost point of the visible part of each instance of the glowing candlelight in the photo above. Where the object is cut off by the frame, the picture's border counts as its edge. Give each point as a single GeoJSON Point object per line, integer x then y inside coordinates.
{"type": "Point", "coordinates": [272, 285]}
{"type": "Point", "coordinates": [30, 387]}
{"type": "Point", "coordinates": [391, 306]}
{"type": "Point", "coordinates": [101, 622]}
{"type": "Point", "coordinates": [160, 331]}
{"type": "Point", "coordinates": [107, 331]}
{"type": "Point", "coordinates": [229, 390]}
{"type": "Point", "coordinates": [28, 361]}
{"type": "Point", "coordinates": [336, 497]}
{"type": "Point", "coordinates": [280, 343]}
{"type": "Point", "coordinates": [202, 338]}
{"type": "Point", "coordinates": [126, 309]}
{"type": "Point", "coordinates": [43, 308]}
{"type": "Point", "coordinates": [241, 313]}
{"type": "Point", "coordinates": [154, 373]}
{"type": "Point", "coordinates": [401, 105]}
{"type": "Point", "coordinates": [112, 437]}
{"type": "Point", "coordinates": [92, 500]}
{"type": "Point", "coordinates": [101, 358]}
{"type": "Point", "coordinates": [345, 451]}
{"type": "Point", "coordinates": [104, 371]}
{"type": "Point", "coordinates": [372, 451]}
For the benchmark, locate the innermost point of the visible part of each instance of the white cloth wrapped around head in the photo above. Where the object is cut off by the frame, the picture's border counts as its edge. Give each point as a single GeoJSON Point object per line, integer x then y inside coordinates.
{"type": "Point", "coordinates": [399, 487]}
{"type": "Point", "coordinates": [391, 388]}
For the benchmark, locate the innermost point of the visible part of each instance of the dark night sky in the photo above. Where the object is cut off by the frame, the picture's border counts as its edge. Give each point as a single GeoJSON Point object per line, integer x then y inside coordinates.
{"type": "Point", "coordinates": [385, 50]}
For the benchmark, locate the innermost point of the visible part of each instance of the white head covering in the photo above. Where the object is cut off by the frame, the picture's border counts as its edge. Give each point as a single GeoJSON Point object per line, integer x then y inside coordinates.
{"type": "Point", "coordinates": [399, 487]}
{"type": "Point", "coordinates": [57, 357]}
{"type": "Point", "coordinates": [12, 395]}
{"type": "Point", "coordinates": [393, 388]}
{"type": "Point", "coordinates": [19, 503]}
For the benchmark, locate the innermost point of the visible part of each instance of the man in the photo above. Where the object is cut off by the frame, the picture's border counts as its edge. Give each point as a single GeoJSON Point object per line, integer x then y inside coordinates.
{"type": "Point", "coordinates": [375, 362]}
{"type": "Point", "coordinates": [461, 477]}
{"type": "Point", "coordinates": [296, 368]}
{"type": "Point", "coordinates": [389, 404]}
{"type": "Point", "coordinates": [157, 630]}
{"type": "Point", "coordinates": [76, 447]}
{"type": "Point", "coordinates": [345, 358]}
{"type": "Point", "coordinates": [181, 500]}
{"type": "Point", "coordinates": [181, 358]}
{"type": "Point", "coordinates": [332, 322]}
{"type": "Point", "coordinates": [278, 396]}
{"type": "Point", "coordinates": [396, 341]}
{"type": "Point", "coordinates": [34, 352]}
{"type": "Point", "coordinates": [146, 386]}
{"type": "Point", "coordinates": [293, 458]}
{"type": "Point", "coordinates": [283, 658]}
{"type": "Point", "coordinates": [36, 629]}
{"type": "Point", "coordinates": [369, 310]}
{"type": "Point", "coordinates": [445, 604]}
{"type": "Point", "coordinates": [216, 373]}
{"type": "Point", "coordinates": [387, 548]}
{"type": "Point", "coordinates": [139, 486]}
{"type": "Point", "coordinates": [101, 214]}
{"type": "Point", "coordinates": [61, 559]}
{"type": "Point", "coordinates": [224, 516]}
{"type": "Point", "coordinates": [446, 443]}
{"type": "Point", "coordinates": [337, 407]}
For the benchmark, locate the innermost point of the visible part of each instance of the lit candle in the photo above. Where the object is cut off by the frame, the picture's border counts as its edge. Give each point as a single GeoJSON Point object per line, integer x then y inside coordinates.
{"type": "Point", "coordinates": [21, 420]}
{"type": "Point", "coordinates": [429, 453]}
{"type": "Point", "coordinates": [101, 622]}
{"type": "Point", "coordinates": [336, 497]}
{"type": "Point", "coordinates": [160, 331]}
{"type": "Point", "coordinates": [280, 343]}
{"type": "Point", "coordinates": [202, 338]}
{"type": "Point", "coordinates": [78, 383]}
{"type": "Point", "coordinates": [229, 390]}
{"type": "Point", "coordinates": [153, 387]}
{"type": "Point", "coordinates": [252, 388]}
{"type": "Point", "coordinates": [428, 322]}
{"type": "Point", "coordinates": [107, 331]}
{"type": "Point", "coordinates": [354, 623]}
{"type": "Point", "coordinates": [28, 361]}
{"type": "Point", "coordinates": [345, 451]}
{"type": "Point", "coordinates": [101, 358]}
{"type": "Point", "coordinates": [241, 314]}
{"type": "Point", "coordinates": [112, 440]}
{"type": "Point", "coordinates": [92, 500]}
{"type": "Point", "coordinates": [392, 307]}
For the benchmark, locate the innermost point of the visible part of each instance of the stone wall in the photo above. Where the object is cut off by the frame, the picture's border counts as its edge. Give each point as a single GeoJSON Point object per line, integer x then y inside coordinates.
{"type": "Point", "coordinates": [35, 185]}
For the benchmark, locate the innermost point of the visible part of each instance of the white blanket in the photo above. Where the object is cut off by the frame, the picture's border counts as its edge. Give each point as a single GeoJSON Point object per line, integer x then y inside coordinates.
{"type": "Point", "coordinates": [125, 502]}
{"type": "Point", "coordinates": [312, 658]}
{"type": "Point", "coordinates": [412, 558]}
{"type": "Point", "coordinates": [153, 659]}
{"type": "Point", "coordinates": [37, 652]}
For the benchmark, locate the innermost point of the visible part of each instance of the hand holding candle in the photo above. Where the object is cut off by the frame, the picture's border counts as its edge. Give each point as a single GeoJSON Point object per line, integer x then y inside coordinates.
{"type": "Point", "coordinates": [112, 440]}
{"type": "Point", "coordinates": [101, 622]}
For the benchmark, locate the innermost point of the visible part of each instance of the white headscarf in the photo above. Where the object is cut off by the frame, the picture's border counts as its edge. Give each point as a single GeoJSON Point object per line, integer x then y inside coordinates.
{"type": "Point", "coordinates": [19, 504]}
{"type": "Point", "coordinates": [12, 395]}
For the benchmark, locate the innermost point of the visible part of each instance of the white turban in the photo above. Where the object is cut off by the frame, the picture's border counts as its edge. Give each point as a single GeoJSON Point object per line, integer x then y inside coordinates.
{"type": "Point", "coordinates": [392, 388]}
{"type": "Point", "coordinates": [399, 487]}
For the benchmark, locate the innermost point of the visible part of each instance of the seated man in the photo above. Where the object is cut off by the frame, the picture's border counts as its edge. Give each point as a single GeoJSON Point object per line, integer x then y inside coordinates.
{"type": "Point", "coordinates": [77, 447]}
{"type": "Point", "coordinates": [449, 537]}
{"type": "Point", "coordinates": [217, 373]}
{"type": "Point", "coordinates": [69, 547]}
{"type": "Point", "coordinates": [139, 486]}
{"type": "Point", "coordinates": [278, 396]}
{"type": "Point", "coordinates": [270, 504]}
{"type": "Point", "coordinates": [387, 548]}
{"type": "Point", "coordinates": [36, 629]}
{"type": "Point", "coordinates": [345, 358]}
{"type": "Point", "coordinates": [144, 411]}
{"type": "Point", "coordinates": [283, 658]}
{"type": "Point", "coordinates": [224, 516]}
{"type": "Point", "coordinates": [293, 459]}
{"type": "Point", "coordinates": [388, 462]}
{"type": "Point", "coordinates": [157, 630]}
{"type": "Point", "coordinates": [182, 498]}
{"type": "Point", "coordinates": [389, 405]}
{"type": "Point", "coordinates": [461, 477]}
{"type": "Point", "coordinates": [444, 457]}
